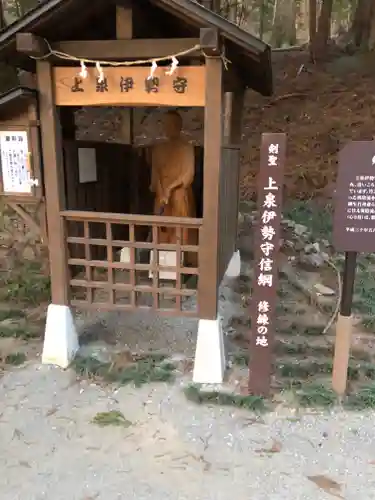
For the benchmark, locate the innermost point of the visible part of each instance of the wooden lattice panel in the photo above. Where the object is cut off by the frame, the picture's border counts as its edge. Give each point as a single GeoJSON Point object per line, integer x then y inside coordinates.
{"type": "Point", "coordinates": [22, 231]}
{"type": "Point", "coordinates": [105, 276]}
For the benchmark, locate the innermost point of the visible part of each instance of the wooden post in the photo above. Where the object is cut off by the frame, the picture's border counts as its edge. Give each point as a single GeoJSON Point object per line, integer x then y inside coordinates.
{"type": "Point", "coordinates": [208, 240]}
{"type": "Point", "coordinates": [124, 31]}
{"type": "Point", "coordinates": [54, 184]}
{"type": "Point", "coordinates": [266, 260]}
{"type": "Point", "coordinates": [234, 102]}
{"type": "Point", "coordinates": [344, 326]}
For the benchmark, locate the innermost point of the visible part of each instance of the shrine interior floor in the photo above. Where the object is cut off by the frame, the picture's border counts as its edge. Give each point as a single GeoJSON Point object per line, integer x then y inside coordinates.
{"type": "Point", "coordinates": [145, 331]}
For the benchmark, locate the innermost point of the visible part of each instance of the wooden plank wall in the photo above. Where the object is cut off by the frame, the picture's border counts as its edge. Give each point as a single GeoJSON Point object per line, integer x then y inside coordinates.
{"type": "Point", "coordinates": [228, 206]}
{"type": "Point", "coordinates": [111, 193]}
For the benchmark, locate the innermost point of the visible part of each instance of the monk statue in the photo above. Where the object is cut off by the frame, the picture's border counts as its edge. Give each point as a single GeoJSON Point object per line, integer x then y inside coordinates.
{"type": "Point", "coordinates": [173, 165]}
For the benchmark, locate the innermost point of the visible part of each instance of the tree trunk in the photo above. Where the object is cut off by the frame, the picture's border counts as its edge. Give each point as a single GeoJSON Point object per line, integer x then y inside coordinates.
{"type": "Point", "coordinates": [284, 30]}
{"type": "Point", "coordinates": [324, 29]}
{"type": "Point", "coordinates": [312, 27]}
{"type": "Point", "coordinates": [363, 27]}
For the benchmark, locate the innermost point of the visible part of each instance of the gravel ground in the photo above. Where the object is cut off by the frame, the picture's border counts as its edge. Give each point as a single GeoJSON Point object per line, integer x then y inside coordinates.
{"type": "Point", "coordinates": [49, 449]}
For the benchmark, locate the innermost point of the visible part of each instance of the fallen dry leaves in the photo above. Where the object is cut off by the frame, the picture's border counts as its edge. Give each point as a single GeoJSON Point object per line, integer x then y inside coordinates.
{"type": "Point", "coordinates": [275, 448]}
{"type": "Point", "coordinates": [328, 485]}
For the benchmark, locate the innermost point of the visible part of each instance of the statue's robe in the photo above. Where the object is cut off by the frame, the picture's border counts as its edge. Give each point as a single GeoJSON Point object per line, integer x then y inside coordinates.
{"type": "Point", "coordinates": [173, 162]}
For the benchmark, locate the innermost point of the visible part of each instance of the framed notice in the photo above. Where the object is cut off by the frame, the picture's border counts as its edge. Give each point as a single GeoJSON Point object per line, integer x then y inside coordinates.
{"type": "Point", "coordinates": [87, 168]}
{"type": "Point", "coordinates": [15, 162]}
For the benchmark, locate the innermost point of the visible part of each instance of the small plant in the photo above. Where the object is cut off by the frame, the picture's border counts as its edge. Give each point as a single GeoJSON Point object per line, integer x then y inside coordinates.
{"type": "Point", "coordinates": [111, 418]}
{"type": "Point", "coordinates": [315, 395]}
{"type": "Point", "coordinates": [16, 359]}
{"type": "Point", "coordinates": [149, 369]}
{"type": "Point", "coordinates": [241, 359]}
{"type": "Point", "coordinates": [12, 314]}
{"type": "Point", "coordinates": [197, 395]}
{"type": "Point", "coordinates": [17, 331]}
{"type": "Point", "coordinates": [362, 399]}
{"type": "Point", "coordinates": [26, 285]}
{"type": "Point", "coordinates": [317, 219]}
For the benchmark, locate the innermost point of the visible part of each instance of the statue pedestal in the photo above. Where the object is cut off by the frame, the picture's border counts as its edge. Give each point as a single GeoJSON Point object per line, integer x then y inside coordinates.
{"type": "Point", "coordinates": [167, 259]}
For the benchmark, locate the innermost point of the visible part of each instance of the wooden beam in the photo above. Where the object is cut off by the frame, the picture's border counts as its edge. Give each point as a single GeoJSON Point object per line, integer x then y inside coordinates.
{"type": "Point", "coordinates": [209, 41]}
{"type": "Point", "coordinates": [124, 23]}
{"type": "Point", "coordinates": [31, 45]}
{"type": "Point", "coordinates": [124, 31]}
{"type": "Point", "coordinates": [208, 241]}
{"type": "Point", "coordinates": [127, 87]}
{"type": "Point", "coordinates": [54, 184]}
{"type": "Point", "coordinates": [109, 50]}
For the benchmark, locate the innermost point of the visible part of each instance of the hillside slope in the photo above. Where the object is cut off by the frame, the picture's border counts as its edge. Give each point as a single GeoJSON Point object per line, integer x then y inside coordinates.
{"type": "Point", "coordinates": [320, 109]}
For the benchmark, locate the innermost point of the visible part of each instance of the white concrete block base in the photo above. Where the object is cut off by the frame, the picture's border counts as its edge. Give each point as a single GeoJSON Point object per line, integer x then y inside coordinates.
{"type": "Point", "coordinates": [234, 266]}
{"type": "Point", "coordinates": [209, 363]}
{"type": "Point", "coordinates": [60, 337]}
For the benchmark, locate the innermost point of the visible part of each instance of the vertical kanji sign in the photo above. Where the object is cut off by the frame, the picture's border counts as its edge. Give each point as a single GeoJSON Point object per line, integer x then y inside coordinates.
{"type": "Point", "coordinates": [267, 245]}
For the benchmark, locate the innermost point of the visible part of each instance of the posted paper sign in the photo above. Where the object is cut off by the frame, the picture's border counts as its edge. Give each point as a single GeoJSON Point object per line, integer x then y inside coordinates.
{"type": "Point", "coordinates": [87, 169]}
{"type": "Point", "coordinates": [14, 156]}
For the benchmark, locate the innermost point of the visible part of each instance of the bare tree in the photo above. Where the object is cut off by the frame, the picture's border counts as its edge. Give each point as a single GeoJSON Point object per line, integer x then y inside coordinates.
{"type": "Point", "coordinates": [363, 27]}
{"type": "Point", "coordinates": [324, 29]}
{"type": "Point", "coordinates": [284, 29]}
{"type": "Point", "coordinates": [312, 26]}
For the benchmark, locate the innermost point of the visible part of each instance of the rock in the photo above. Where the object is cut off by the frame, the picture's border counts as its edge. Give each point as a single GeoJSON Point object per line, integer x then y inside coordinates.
{"type": "Point", "coordinates": [289, 244]}
{"type": "Point", "coordinates": [325, 256]}
{"type": "Point", "coordinates": [28, 253]}
{"type": "Point", "coordinates": [324, 290]}
{"type": "Point", "coordinates": [245, 245]}
{"type": "Point", "coordinates": [96, 350]}
{"type": "Point", "coordinates": [314, 260]}
{"type": "Point", "coordinates": [312, 247]}
{"type": "Point", "coordinates": [300, 229]}
{"type": "Point", "coordinates": [288, 222]}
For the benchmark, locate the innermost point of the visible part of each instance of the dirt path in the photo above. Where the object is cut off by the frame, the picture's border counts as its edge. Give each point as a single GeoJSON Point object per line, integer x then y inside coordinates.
{"type": "Point", "coordinates": [49, 449]}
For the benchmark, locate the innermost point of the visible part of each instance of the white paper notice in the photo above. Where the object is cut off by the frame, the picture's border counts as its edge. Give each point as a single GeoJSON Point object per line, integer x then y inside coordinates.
{"type": "Point", "coordinates": [87, 169]}
{"type": "Point", "coordinates": [14, 156]}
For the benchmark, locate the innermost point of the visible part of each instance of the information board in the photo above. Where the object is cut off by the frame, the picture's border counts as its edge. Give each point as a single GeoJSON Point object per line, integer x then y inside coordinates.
{"type": "Point", "coordinates": [354, 204]}
{"type": "Point", "coordinates": [15, 162]}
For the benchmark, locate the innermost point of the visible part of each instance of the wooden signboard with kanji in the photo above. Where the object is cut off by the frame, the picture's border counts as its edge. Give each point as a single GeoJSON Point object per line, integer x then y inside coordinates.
{"type": "Point", "coordinates": [266, 252]}
{"type": "Point", "coordinates": [130, 86]}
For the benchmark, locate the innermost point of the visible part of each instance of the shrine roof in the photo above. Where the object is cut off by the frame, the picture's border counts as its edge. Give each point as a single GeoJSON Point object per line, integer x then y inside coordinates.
{"type": "Point", "coordinates": [12, 98]}
{"type": "Point", "coordinates": [60, 19]}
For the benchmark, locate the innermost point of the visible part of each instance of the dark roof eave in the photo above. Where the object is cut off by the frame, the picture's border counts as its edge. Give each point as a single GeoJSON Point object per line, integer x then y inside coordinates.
{"type": "Point", "coordinates": [29, 21]}
{"type": "Point", "coordinates": [16, 93]}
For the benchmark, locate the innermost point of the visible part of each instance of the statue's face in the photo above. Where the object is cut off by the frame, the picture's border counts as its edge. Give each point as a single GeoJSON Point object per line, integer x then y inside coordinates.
{"type": "Point", "coordinates": [172, 125]}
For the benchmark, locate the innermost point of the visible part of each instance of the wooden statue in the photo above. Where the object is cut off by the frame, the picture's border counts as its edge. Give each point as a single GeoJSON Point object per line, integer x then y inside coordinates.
{"type": "Point", "coordinates": [173, 163]}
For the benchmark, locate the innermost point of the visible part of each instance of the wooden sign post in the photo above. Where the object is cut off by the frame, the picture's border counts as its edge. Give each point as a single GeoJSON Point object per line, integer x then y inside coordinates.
{"type": "Point", "coordinates": [267, 245]}
{"type": "Point", "coordinates": [353, 232]}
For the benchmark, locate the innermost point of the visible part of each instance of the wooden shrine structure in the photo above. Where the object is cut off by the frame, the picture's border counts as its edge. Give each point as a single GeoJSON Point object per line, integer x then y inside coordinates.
{"type": "Point", "coordinates": [95, 53]}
